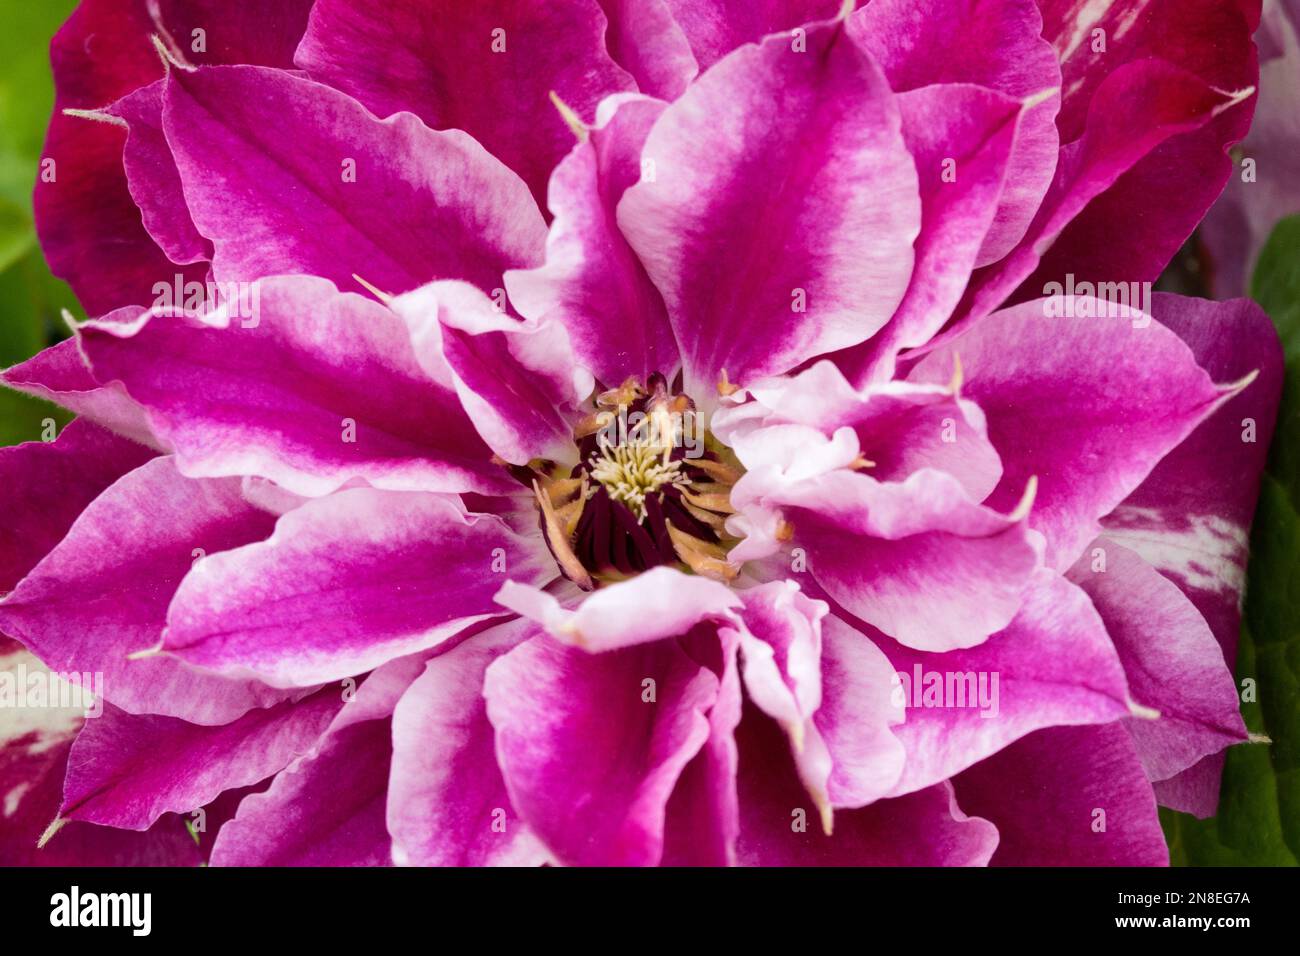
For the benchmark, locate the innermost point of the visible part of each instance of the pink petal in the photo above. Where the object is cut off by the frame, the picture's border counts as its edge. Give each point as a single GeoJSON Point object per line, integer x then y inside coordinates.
{"type": "Point", "coordinates": [126, 771]}
{"type": "Point", "coordinates": [447, 803]}
{"type": "Point", "coordinates": [781, 181]}
{"type": "Point", "coordinates": [102, 593]}
{"type": "Point", "coordinates": [356, 405]}
{"type": "Point", "coordinates": [48, 484]}
{"type": "Point", "coordinates": [487, 68]}
{"type": "Point", "coordinates": [592, 281]}
{"type": "Point", "coordinates": [1088, 403]}
{"type": "Point", "coordinates": [591, 745]}
{"type": "Point", "coordinates": [346, 583]}
{"type": "Point", "coordinates": [779, 826]}
{"type": "Point", "coordinates": [1068, 796]}
{"type": "Point", "coordinates": [1173, 663]}
{"type": "Point", "coordinates": [284, 174]}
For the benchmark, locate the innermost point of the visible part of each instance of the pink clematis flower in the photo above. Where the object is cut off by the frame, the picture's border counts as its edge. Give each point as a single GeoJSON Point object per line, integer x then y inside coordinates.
{"type": "Point", "coordinates": [694, 474]}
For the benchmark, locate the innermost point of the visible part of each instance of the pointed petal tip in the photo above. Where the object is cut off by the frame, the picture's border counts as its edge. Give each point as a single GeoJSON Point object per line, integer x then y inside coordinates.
{"type": "Point", "coordinates": [571, 118]}
{"type": "Point", "coordinates": [170, 58]}
{"type": "Point", "coordinates": [57, 824]}
{"type": "Point", "coordinates": [1142, 712]}
{"type": "Point", "coordinates": [1259, 739]}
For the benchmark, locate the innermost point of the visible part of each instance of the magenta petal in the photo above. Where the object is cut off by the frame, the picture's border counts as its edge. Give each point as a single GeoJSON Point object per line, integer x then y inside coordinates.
{"type": "Point", "coordinates": [1068, 796]}
{"type": "Point", "coordinates": [60, 375]}
{"type": "Point", "coordinates": [1087, 403]}
{"type": "Point", "coordinates": [592, 282]}
{"type": "Point", "coordinates": [486, 68]}
{"type": "Point", "coordinates": [1174, 664]}
{"type": "Point", "coordinates": [779, 827]}
{"type": "Point", "coordinates": [716, 27]}
{"type": "Point", "coordinates": [1054, 664]}
{"type": "Point", "coordinates": [517, 380]}
{"type": "Point", "coordinates": [660, 603]}
{"type": "Point", "coordinates": [126, 771]}
{"type": "Point", "coordinates": [346, 583]}
{"type": "Point", "coordinates": [312, 389]}
{"type": "Point", "coordinates": [152, 178]}
{"type": "Point", "coordinates": [102, 593]}
{"type": "Point", "coordinates": [1179, 178]}
{"type": "Point", "coordinates": [995, 44]}
{"type": "Point", "coordinates": [646, 40]}
{"type": "Point", "coordinates": [960, 137]}
{"type": "Point", "coordinates": [1190, 518]}
{"type": "Point", "coordinates": [447, 802]}
{"type": "Point", "coordinates": [779, 221]}
{"type": "Point", "coordinates": [591, 745]}
{"type": "Point", "coordinates": [1138, 108]}
{"type": "Point", "coordinates": [828, 687]}
{"type": "Point", "coordinates": [327, 807]}
{"type": "Point", "coordinates": [918, 559]}
{"type": "Point", "coordinates": [48, 484]}
{"type": "Point", "coordinates": [702, 819]}
{"type": "Point", "coordinates": [34, 746]}
{"type": "Point", "coordinates": [289, 176]}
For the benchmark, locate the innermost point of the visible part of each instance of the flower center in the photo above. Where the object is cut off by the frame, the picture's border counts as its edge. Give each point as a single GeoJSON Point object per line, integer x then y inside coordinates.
{"type": "Point", "coordinates": [651, 487]}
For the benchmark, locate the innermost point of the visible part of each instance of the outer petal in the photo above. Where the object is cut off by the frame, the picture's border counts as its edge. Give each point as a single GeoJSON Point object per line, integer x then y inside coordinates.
{"type": "Point", "coordinates": [356, 404]}
{"type": "Point", "coordinates": [778, 827]}
{"type": "Point", "coordinates": [1191, 517]}
{"type": "Point", "coordinates": [716, 27]}
{"type": "Point", "coordinates": [645, 39]}
{"type": "Point", "coordinates": [592, 281]}
{"type": "Point", "coordinates": [1137, 109]}
{"type": "Point", "coordinates": [486, 68]}
{"type": "Point", "coordinates": [34, 747]}
{"type": "Point", "coordinates": [517, 381]}
{"type": "Point", "coordinates": [1053, 665]}
{"type": "Point", "coordinates": [48, 484]}
{"type": "Point", "coordinates": [327, 807]}
{"type": "Point", "coordinates": [990, 43]}
{"type": "Point", "coordinates": [1179, 178]}
{"type": "Point", "coordinates": [1241, 220]}
{"type": "Point", "coordinates": [1069, 796]}
{"type": "Point", "coordinates": [153, 180]}
{"type": "Point", "coordinates": [102, 593]}
{"type": "Point", "coordinates": [589, 750]}
{"type": "Point", "coordinates": [447, 802]}
{"type": "Point", "coordinates": [1173, 662]}
{"type": "Point", "coordinates": [1087, 403]}
{"type": "Point", "coordinates": [288, 176]}
{"type": "Point", "coordinates": [346, 583]}
{"type": "Point", "coordinates": [60, 375]}
{"type": "Point", "coordinates": [781, 183]}
{"type": "Point", "coordinates": [126, 771]}
{"type": "Point", "coordinates": [90, 228]}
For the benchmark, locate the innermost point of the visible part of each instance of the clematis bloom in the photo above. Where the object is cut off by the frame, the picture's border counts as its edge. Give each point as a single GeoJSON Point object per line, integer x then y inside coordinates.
{"type": "Point", "coordinates": [671, 477]}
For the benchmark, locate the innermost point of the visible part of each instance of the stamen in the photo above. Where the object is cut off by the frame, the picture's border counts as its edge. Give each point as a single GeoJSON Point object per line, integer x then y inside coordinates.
{"type": "Point", "coordinates": [631, 472]}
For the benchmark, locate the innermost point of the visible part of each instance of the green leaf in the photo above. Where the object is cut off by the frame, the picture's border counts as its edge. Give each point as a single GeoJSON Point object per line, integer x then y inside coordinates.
{"type": "Point", "coordinates": [1258, 823]}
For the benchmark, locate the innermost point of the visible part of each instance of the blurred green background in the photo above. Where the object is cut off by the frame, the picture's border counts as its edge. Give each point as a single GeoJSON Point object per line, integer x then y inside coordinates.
{"type": "Point", "coordinates": [30, 298]}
